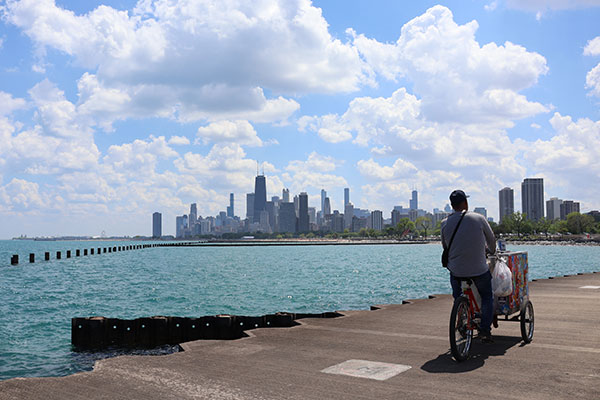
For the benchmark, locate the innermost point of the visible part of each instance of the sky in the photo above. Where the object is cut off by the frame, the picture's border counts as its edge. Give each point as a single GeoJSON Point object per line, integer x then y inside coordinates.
{"type": "Point", "coordinates": [112, 110]}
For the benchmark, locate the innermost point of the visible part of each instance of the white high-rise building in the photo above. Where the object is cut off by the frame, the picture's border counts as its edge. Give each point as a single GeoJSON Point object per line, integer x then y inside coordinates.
{"type": "Point", "coordinates": [553, 208]}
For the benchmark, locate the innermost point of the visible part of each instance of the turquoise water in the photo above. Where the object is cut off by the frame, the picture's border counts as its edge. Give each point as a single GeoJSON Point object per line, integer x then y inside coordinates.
{"type": "Point", "coordinates": [37, 301]}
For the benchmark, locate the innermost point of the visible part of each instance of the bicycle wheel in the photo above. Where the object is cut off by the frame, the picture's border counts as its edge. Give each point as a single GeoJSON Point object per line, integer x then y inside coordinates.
{"type": "Point", "coordinates": [461, 330]}
{"type": "Point", "coordinates": [526, 319]}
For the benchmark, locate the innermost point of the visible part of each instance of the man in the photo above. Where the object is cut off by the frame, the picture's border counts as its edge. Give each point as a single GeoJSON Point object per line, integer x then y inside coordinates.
{"type": "Point", "coordinates": [467, 256]}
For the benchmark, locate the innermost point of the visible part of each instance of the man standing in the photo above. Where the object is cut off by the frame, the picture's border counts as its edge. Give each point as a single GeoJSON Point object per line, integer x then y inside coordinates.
{"type": "Point", "coordinates": [467, 258]}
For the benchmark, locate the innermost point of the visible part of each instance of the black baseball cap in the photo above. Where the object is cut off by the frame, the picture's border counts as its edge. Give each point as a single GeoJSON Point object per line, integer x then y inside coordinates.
{"type": "Point", "coordinates": [457, 197]}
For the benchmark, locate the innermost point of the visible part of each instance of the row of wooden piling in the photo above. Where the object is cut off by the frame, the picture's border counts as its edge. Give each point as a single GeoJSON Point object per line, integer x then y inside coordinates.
{"type": "Point", "coordinates": [14, 260]}
{"type": "Point", "coordinates": [96, 333]}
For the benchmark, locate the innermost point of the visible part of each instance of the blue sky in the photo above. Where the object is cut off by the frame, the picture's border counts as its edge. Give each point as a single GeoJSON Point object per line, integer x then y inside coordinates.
{"type": "Point", "coordinates": [112, 110]}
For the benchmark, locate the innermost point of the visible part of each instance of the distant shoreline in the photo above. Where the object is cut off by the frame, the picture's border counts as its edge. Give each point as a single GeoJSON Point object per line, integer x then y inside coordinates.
{"type": "Point", "coordinates": [574, 241]}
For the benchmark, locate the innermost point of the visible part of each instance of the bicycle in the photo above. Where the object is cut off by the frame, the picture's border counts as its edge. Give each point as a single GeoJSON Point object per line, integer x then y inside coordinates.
{"type": "Point", "coordinates": [465, 318]}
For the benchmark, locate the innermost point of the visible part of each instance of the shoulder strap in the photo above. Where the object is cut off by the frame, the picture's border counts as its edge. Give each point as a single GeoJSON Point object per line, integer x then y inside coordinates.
{"type": "Point", "coordinates": [455, 229]}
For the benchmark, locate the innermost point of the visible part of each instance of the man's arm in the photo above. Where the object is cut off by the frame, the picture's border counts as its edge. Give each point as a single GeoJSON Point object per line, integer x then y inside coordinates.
{"type": "Point", "coordinates": [490, 238]}
{"type": "Point", "coordinates": [442, 233]}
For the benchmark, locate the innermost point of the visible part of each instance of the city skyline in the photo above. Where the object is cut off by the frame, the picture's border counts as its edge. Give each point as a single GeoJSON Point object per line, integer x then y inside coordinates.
{"type": "Point", "coordinates": [112, 110]}
{"type": "Point", "coordinates": [281, 215]}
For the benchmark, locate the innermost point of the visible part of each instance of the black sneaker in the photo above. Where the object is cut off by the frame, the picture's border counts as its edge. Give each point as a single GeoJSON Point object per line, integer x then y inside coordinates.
{"type": "Point", "coordinates": [486, 338]}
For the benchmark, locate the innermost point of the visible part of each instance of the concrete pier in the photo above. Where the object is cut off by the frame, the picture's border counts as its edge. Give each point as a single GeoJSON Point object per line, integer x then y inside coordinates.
{"type": "Point", "coordinates": [393, 352]}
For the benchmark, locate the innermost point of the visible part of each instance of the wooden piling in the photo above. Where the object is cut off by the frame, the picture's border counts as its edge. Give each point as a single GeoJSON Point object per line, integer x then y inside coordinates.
{"type": "Point", "coordinates": [68, 253]}
{"type": "Point", "coordinates": [58, 255]}
{"type": "Point", "coordinates": [77, 253]}
{"type": "Point", "coordinates": [31, 257]}
{"type": "Point", "coordinates": [14, 260]}
{"type": "Point", "coordinates": [47, 256]}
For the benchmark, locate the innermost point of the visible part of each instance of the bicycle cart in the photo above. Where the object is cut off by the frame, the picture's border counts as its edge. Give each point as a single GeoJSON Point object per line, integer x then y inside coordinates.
{"type": "Point", "coordinates": [465, 317]}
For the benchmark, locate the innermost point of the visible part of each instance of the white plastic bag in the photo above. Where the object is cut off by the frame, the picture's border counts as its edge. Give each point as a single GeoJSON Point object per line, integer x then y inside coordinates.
{"type": "Point", "coordinates": [502, 284]}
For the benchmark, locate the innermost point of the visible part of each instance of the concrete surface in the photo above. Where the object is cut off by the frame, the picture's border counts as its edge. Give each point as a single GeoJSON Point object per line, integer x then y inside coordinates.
{"type": "Point", "coordinates": [406, 346]}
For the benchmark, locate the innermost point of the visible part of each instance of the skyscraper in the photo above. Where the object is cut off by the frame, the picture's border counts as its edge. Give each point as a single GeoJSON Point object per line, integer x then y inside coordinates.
{"type": "Point", "coordinates": [260, 196]}
{"type": "Point", "coordinates": [414, 203]}
{"type": "Point", "coordinates": [346, 197]}
{"type": "Point", "coordinates": [193, 214]}
{"type": "Point", "coordinates": [532, 198]}
{"type": "Point", "coordinates": [326, 207]}
{"type": "Point", "coordinates": [567, 207]}
{"type": "Point", "coordinates": [506, 198]}
{"type": "Point", "coordinates": [303, 219]}
{"type": "Point", "coordinates": [377, 220]}
{"type": "Point", "coordinates": [156, 225]}
{"type": "Point", "coordinates": [287, 217]}
{"type": "Point", "coordinates": [285, 194]}
{"type": "Point", "coordinates": [323, 195]}
{"type": "Point", "coordinates": [250, 206]}
{"type": "Point", "coordinates": [230, 212]}
{"type": "Point", "coordinates": [553, 208]}
{"type": "Point", "coordinates": [348, 215]}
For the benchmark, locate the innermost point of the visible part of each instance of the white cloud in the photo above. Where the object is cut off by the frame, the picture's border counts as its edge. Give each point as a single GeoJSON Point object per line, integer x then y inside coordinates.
{"type": "Point", "coordinates": [570, 160]}
{"type": "Point", "coordinates": [20, 195]}
{"type": "Point", "coordinates": [240, 132]}
{"type": "Point", "coordinates": [139, 157]}
{"type": "Point", "coordinates": [455, 78]}
{"type": "Point", "coordinates": [315, 163]}
{"type": "Point", "coordinates": [491, 6]}
{"type": "Point", "coordinates": [592, 48]}
{"type": "Point", "coordinates": [535, 126]}
{"type": "Point", "coordinates": [179, 141]}
{"type": "Point", "coordinates": [592, 79]}
{"type": "Point", "coordinates": [194, 60]}
{"type": "Point", "coordinates": [373, 170]}
{"type": "Point", "coordinates": [315, 173]}
{"type": "Point", "coordinates": [8, 104]}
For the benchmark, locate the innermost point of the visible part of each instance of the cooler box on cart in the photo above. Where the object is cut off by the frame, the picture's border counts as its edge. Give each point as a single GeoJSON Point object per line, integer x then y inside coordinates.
{"type": "Point", "coordinates": [517, 262]}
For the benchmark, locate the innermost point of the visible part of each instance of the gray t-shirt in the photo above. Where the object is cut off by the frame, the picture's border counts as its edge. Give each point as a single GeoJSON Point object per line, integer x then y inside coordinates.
{"type": "Point", "coordinates": [467, 254]}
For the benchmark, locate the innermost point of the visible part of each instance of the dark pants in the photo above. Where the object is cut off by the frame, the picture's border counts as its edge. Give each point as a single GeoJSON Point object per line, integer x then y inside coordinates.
{"type": "Point", "coordinates": [484, 287]}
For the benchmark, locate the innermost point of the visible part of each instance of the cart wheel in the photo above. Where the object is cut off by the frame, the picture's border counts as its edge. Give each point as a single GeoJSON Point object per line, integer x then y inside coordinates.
{"type": "Point", "coordinates": [461, 331]}
{"type": "Point", "coordinates": [526, 319]}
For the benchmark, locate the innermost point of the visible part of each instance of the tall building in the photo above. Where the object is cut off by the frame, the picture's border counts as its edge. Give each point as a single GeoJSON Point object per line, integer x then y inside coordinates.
{"type": "Point", "coordinates": [260, 196]}
{"type": "Point", "coordinates": [481, 210]}
{"type": "Point", "coordinates": [414, 202]}
{"type": "Point", "coordinates": [156, 225]}
{"type": "Point", "coordinates": [193, 215]}
{"type": "Point", "coordinates": [323, 195]}
{"type": "Point", "coordinates": [230, 212]}
{"type": "Point", "coordinates": [348, 215]}
{"type": "Point", "coordinates": [377, 220]}
{"type": "Point", "coordinates": [346, 197]}
{"type": "Point", "coordinates": [532, 198]}
{"type": "Point", "coordinates": [506, 198]}
{"type": "Point", "coordinates": [553, 208]}
{"type": "Point", "coordinates": [287, 217]}
{"type": "Point", "coordinates": [326, 207]}
{"type": "Point", "coordinates": [285, 195]}
{"type": "Point", "coordinates": [181, 226]}
{"type": "Point", "coordinates": [395, 218]}
{"type": "Point", "coordinates": [303, 219]}
{"type": "Point", "coordinates": [567, 207]}
{"type": "Point", "coordinates": [297, 205]}
{"type": "Point", "coordinates": [250, 206]}
{"type": "Point", "coordinates": [312, 215]}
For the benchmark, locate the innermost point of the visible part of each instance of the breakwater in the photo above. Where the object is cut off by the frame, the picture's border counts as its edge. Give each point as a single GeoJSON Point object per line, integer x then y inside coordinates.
{"type": "Point", "coordinates": [14, 259]}
{"type": "Point", "coordinates": [97, 333]}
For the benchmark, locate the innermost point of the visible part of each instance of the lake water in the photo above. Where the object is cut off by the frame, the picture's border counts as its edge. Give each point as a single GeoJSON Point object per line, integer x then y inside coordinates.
{"type": "Point", "coordinates": [37, 301]}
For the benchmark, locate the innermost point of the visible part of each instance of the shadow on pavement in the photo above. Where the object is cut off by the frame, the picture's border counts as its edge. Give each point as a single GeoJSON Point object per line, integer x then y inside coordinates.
{"type": "Point", "coordinates": [479, 353]}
